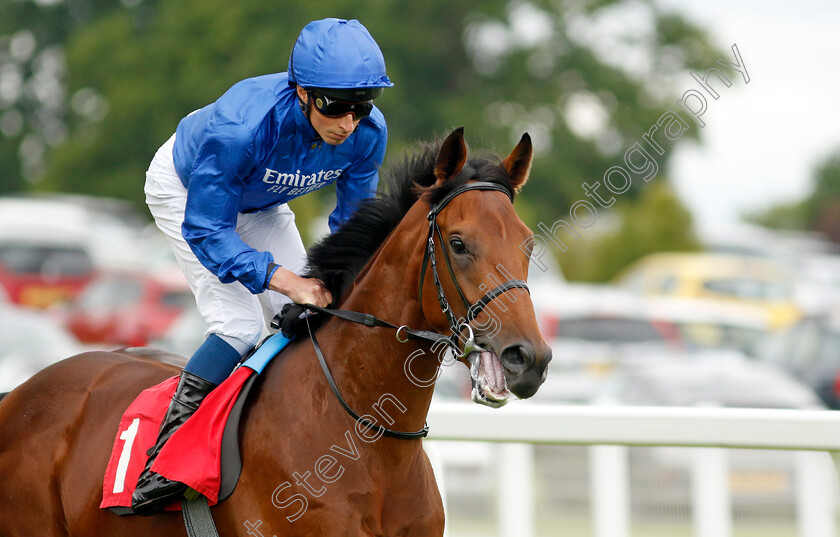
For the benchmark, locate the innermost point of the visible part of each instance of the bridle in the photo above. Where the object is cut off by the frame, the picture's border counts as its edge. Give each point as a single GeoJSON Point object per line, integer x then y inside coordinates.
{"type": "Point", "coordinates": [475, 309]}
{"type": "Point", "coordinates": [456, 326]}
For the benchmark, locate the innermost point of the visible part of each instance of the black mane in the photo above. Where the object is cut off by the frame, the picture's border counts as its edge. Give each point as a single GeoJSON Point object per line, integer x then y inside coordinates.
{"type": "Point", "coordinates": [338, 258]}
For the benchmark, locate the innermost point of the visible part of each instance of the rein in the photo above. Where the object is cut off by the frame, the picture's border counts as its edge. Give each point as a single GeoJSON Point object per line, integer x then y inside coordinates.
{"type": "Point", "coordinates": [456, 326]}
{"type": "Point", "coordinates": [370, 425]}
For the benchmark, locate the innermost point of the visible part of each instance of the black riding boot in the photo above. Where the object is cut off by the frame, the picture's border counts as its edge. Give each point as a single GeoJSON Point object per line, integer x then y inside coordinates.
{"type": "Point", "coordinates": [153, 491]}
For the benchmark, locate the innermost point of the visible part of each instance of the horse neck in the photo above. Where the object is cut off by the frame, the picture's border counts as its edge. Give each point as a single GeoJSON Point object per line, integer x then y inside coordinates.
{"type": "Point", "coordinates": [369, 363]}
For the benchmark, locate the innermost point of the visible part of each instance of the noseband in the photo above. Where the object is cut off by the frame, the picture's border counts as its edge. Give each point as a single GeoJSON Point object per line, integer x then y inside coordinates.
{"type": "Point", "coordinates": [456, 326]}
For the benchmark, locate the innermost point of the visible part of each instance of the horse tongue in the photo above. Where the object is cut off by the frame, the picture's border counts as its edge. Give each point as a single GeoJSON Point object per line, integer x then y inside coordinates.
{"type": "Point", "coordinates": [494, 374]}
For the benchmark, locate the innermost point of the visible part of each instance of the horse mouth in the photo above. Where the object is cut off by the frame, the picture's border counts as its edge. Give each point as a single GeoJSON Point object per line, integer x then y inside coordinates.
{"type": "Point", "coordinates": [489, 386]}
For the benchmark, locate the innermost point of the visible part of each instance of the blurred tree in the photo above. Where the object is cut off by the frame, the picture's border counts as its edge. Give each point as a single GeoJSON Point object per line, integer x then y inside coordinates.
{"type": "Point", "coordinates": [34, 103]}
{"type": "Point", "coordinates": [792, 215]}
{"type": "Point", "coordinates": [823, 206]}
{"type": "Point", "coordinates": [585, 78]}
{"type": "Point", "coordinates": [818, 211]}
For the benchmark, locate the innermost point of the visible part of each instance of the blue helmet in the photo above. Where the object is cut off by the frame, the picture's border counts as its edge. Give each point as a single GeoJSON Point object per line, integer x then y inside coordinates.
{"type": "Point", "coordinates": [340, 59]}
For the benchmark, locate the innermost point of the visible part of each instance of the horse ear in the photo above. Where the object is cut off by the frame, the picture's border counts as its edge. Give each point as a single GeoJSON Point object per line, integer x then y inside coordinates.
{"type": "Point", "coordinates": [518, 163]}
{"type": "Point", "coordinates": [452, 156]}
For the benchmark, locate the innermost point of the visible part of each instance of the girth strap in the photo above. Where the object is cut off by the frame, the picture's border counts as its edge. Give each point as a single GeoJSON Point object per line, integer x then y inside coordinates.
{"type": "Point", "coordinates": [197, 518]}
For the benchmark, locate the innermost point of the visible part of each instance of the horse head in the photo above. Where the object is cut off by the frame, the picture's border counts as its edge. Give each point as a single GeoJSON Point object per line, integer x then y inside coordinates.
{"type": "Point", "coordinates": [444, 225]}
{"type": "Point", "coordinates": [476, 250]}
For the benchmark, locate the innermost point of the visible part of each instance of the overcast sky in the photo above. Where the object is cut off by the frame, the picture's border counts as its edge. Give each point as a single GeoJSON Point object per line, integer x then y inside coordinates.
{"type": "Point", "coordinates": [762, 140]}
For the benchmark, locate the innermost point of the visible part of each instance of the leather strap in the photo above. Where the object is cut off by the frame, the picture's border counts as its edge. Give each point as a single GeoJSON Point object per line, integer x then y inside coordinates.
{"type": "Point", "coordinates": [372, 321]}
{"type": "Point", "coordinates": [478, 185]}
{"type": "Point", "coordinates": [197, 518]}
{"type": "Point", "coordinates": [380, 429]}
{"type": "Point", "coordinates": [482, 302]}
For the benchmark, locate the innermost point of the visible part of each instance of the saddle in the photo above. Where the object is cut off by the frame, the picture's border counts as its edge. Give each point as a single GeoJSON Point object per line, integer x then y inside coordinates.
{"type": "Point", "coordinates": [203, 453]}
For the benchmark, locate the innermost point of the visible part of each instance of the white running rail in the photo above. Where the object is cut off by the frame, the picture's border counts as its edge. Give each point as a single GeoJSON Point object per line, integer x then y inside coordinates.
{"type": "Point", "coordinates": [610, 429]}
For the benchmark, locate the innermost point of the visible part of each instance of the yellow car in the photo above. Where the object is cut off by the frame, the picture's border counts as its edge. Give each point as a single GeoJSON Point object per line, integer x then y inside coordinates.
{"type": "Point", "coordinates": [724, 277]}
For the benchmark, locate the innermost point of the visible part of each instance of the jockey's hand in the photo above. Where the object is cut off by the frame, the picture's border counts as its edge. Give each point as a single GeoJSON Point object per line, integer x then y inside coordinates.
{"type": "Point", "coordinates": [300, 290]}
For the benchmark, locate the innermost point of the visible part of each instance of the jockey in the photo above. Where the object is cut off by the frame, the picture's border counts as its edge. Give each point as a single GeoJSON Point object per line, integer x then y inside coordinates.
{"type": "Point", "coordinates": [218, 190]}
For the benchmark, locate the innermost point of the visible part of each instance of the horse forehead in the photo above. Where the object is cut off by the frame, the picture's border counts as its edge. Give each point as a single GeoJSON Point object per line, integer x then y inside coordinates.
{"type": "Point", "coordinates": [490, 212]}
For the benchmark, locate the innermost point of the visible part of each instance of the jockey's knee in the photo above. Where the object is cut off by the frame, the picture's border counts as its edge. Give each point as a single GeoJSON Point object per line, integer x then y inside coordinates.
{"type": "Point", "coordinates": [240, 331]}
{"type": "Point", "coordinates": [241, 346]}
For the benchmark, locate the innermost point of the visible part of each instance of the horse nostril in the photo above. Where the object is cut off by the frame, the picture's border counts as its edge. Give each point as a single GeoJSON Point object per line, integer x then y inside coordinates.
{"type": "Point", "coordinates": [517, 357]}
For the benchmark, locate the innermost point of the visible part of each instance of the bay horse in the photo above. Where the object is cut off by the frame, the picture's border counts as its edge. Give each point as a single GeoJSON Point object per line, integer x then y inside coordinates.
{"type": "Point", "coordinates": [307, 467]}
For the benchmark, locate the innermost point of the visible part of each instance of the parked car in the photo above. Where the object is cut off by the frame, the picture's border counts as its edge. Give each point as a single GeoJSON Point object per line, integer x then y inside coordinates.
{"type": "Point", "coordinates": [558, 304]}
{"type": "Point", "coordinates": [711, 324]}
{"type": "Point", "coordinates": [111, 232]}
{"type": "Point", "coordinates": [810, 351]}
{"type": "Point", "coordinates": [29, 341]}
{"type": "Point", "coordinates": [717, 378]}
{"type": "Point", "coordinates": [184, 335]}
{"type": "Point", "coordinates": [51, 246]}
{"type": "Point", "coordinates": [811, 255]}
{"type": "Point", "coordinates": [591, 329]}
{"type": "Point", "coordinates": [42, 270]}
{"type": "Point", "coordinates": [128, 309]}
{"type": "Point", "coordinates": [721, 277]}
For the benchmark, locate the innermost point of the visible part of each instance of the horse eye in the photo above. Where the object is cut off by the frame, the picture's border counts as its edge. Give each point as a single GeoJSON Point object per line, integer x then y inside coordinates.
{"type": "Point", "coordinates": [457, 245]}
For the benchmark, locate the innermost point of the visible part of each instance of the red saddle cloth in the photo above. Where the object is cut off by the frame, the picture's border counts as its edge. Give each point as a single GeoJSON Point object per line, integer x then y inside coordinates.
{"type": "Point", "coordinates": [191, 456]}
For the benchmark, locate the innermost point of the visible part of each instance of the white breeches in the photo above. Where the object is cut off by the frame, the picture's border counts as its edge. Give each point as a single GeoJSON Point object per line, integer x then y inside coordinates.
{"type": "Point", "coordinates": [229, 309]}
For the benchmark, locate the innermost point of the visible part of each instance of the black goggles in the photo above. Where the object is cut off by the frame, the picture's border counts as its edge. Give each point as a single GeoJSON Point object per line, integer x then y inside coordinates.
{"type": "Point", "coordinates": [335, 108]}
